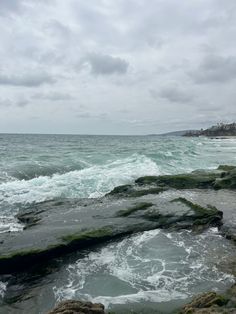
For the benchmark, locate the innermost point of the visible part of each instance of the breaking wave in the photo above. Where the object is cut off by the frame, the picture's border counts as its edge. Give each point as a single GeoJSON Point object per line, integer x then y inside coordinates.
{"type": "Point", "coordinates": [90, 182]}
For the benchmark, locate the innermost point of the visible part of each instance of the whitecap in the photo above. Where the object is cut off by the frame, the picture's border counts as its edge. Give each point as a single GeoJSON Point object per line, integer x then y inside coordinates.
{"type": "Point", "coordinates": [3, 288]}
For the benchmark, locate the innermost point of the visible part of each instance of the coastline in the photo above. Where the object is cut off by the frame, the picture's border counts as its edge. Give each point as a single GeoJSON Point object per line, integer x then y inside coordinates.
{"type": "Point", "coordinates": [142, 214]}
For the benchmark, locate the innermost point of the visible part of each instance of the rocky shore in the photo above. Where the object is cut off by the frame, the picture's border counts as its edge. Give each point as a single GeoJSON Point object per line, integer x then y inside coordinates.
{"type": "Point", "coordinates": [151, 202]}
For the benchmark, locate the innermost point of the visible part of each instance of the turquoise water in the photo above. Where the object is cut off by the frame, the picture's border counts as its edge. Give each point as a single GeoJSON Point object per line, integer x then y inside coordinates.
{"type": "Point", "coordinates": [154, 269]}
{"type": "Point", "coordinates": [35, 168]}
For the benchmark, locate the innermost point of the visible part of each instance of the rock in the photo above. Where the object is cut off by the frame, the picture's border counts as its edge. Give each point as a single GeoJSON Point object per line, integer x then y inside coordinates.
{"type": "Point", "coordinates": [78, 307]}
{"type": "Point", "coordinates": [205, 303]}
{"type": "Point", "coordinates": [131, 210]}
{"type": "Point", "coordinates": [212, 303]}
{"type": "Point", "coordinates": [28, 218]}
{"type": "Point", "coordinates": [199, 180]}
{"type": "Point", "coordinates": [74, 225]}
{"type": "Point", "coordinates": [224, 177]}
{"type": "Point", "coordinates": [228, 181]}
{"type": "Point", "coordinates": [226, 167]}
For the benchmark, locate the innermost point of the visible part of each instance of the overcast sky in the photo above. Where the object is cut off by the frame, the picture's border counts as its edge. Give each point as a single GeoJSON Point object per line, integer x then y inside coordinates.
{"type": "Point", "coordinates": [116, 66]}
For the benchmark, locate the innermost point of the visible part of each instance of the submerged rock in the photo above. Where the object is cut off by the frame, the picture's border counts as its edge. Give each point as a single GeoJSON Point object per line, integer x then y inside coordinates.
{"type": "Point", "coordinates": [78, 307]}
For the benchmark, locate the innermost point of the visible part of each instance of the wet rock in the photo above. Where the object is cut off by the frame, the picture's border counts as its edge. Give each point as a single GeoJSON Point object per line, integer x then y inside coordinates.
{"type": "Point", "coordinates": [69, 228]}
{"type": "Point", "coordinates": [200, 180]}
{"type": "Point", "coordinates": [29, 219]}
{"type": "Point", "coordinates": [224, 177]}
{"type": "Point", "coordinates": [228, 181]}
{"type": "Point", "coordinates": [208, 302]}
{"type": "Point", "coordinates": [226, 167]}
{"type": "Point", "coordinates": [212, 303]}
{"type": "Point", "coordinates": [78, 307]}
{"type": "Point", "coordinates": [131, 210]}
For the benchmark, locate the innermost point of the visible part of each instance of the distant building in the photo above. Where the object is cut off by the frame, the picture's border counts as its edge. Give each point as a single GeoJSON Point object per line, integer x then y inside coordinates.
{"type": "Point", "coordinates": [220, 129]}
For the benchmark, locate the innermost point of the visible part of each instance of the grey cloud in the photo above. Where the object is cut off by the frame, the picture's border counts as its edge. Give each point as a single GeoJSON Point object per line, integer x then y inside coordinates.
{"type": "Point", "coordinates": [8, 103]}
{"type": "Point", "coordinates": [157, 45]}
{"type": "Point", "coordinates": [173, 94]}
{"type": "Point", "coordinates": [106, 65]}
{"type": "Point", "coordinates": [83, 115]}
{"type": "Point", "coordinates": [7, 6]}
{"type": "Point", "coordinates": [58, 29]}
{"type": "Point", "coordinates": [88, 115]}
{"type": "Point", "coordinates": [54, 96]}
{"type": "Point", "coordinates": [5, 103]}
{"type": "Point", "coordinates": [27, 80]}
{"type": "Point", "coordinates": [22, 103]}
{"type": "Point", "coordinates": [215, 68]}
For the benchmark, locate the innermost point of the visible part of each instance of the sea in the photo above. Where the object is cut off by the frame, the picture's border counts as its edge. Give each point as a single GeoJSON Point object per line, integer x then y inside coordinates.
{"type": "Point", "coordinates": [153, 267]}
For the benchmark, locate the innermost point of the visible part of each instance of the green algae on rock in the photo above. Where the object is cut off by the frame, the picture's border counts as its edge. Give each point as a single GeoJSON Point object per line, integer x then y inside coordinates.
{"type": "Point", "coordinates": [131, 210]}
{"type": "Point", "coordinates": [94, 221]}
{"type": "Point", "coordinates": [224, 177]}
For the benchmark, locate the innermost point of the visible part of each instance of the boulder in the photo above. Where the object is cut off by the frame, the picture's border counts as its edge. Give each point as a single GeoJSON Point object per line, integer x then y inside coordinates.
{"type": "Point", "coordinates": [78, 307]}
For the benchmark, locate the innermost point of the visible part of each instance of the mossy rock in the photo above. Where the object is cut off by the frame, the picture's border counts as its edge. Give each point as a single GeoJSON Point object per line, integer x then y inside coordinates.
{"type": "Point", "coordinates": [87, 235]}
{"type": "Point", "coordinates": [132, 191]}
{"type": "Point", "coordinates": [122, 189]}
{"type": "Point", "coordinates": [18, 260]}
{"type": "Point", "coordinates": [223, 177]}
{"type": "Point", "coordinates": [226, 167]}
{"type": "Point", "coordinates": [181, 181]}
{"type": "Point", "coordinates": [204, 301]}
{"type": "Point", "coordinates": [200, 211]}
{"type": "Point", "coordinates": [133, 209]}
{"type": "Point", "coordinates": [226, 182]}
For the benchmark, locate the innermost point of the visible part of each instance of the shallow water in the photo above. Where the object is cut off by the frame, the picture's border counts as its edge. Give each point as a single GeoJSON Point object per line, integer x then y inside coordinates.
{"type": "Point", "coordinates": [155, 269]}
{"type": "Point", "coordinates": [155, 266]}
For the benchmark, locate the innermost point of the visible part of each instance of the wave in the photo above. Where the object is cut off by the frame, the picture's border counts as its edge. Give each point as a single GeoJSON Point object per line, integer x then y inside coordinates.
{"type": "Point", "coordinates": [31, 170]}
{"type": "Point", "coordinates": [90, 182]}
{"type": "Point", "coordinates": [3, 288]}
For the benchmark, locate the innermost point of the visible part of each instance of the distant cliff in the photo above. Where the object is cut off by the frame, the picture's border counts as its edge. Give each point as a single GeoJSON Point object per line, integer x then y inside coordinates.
{"type": "Point", "coordinates": [220, 129]}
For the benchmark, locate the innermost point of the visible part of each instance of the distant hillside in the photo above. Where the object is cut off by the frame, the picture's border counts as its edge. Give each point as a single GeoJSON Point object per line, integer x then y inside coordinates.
{"type": "Point", "coordinates": [220, 129]}
{"type": "Point", "coordinates": [177, 133]}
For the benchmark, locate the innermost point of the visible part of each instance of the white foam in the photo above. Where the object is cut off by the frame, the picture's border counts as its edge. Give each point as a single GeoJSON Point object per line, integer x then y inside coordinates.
{"type": "Point", "coordinates": [9, 223]}
{"type": "Point", "coordinates": [140, 296]}
{"type": "Point", "coordinates": [90, 182]}
{"type": "Point", "coordinates": [155, 265]}
{"type": "Point", "coordinates": [3, 288]}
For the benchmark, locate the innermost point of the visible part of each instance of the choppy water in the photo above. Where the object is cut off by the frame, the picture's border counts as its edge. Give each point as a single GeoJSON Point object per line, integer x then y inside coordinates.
{"type": "Point", "coordinates": [152, 267]}
{"type": "Point", "coordinates": [36, 168]}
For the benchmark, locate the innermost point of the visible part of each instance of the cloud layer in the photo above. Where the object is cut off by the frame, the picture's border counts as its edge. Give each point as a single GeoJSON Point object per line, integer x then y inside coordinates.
{"type": "Point", "coordinates": [116, 67]}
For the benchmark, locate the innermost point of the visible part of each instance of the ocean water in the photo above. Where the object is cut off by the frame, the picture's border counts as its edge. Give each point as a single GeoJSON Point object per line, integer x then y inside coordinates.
{"type": "Point", "coordinates": [155, 266]}
{"type": "Point", "coordinates": [35, 168]}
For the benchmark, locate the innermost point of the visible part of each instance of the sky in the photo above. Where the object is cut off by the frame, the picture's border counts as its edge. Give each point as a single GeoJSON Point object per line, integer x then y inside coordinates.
{"type": "Point", "coordinates": [116, 66]}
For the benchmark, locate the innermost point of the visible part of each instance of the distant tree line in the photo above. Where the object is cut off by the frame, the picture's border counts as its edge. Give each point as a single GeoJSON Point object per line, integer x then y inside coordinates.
{"type": "Point", "coordinates": [221, 129]}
